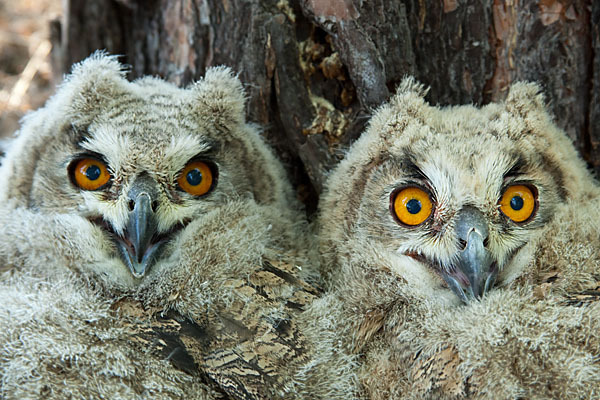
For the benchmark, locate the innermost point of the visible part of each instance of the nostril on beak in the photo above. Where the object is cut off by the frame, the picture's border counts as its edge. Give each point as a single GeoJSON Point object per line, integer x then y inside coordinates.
{"type": "Point", "coordinates": [131, 205]}
{"type": "Point", "coordinates": [154, 206]}
{"type": "Point", "coordinates": [486, 241]}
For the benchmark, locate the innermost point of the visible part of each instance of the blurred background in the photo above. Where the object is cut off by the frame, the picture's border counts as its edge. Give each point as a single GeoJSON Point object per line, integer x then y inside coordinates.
{"type": "Point", "coordinates": [25, 65]}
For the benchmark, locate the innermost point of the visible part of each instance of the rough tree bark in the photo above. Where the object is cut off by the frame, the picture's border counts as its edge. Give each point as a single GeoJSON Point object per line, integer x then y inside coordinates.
{"type": "Point", "coordinates": [314, 69]}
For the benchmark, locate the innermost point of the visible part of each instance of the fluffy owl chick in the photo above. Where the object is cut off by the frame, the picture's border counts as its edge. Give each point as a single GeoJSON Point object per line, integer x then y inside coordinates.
{"type": "Point", "coordinates": [436, 232]}
{"type": "Point", "coordinates": [63, 339]}
{"type": "Point", "coordinates": [139, 160]}
{"type": "Point", "coordinates": [535, 338]}
{"type": "Point", "coordinates": [127, 200]}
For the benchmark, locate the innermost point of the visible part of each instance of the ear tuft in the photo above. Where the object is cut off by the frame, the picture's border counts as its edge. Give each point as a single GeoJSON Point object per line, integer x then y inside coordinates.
{"type": "Point", "coordinates": [220, 96]}
{"type": "Point", "coordinates": [99, 64]}
{"type": "Point", "coordinates": [91, 82]}
{"type": "Point", "coordinates": [410, 85]}
{"type": "Point", "coordinates": [408, 101]}
{"type": "Point", "coordinates": [525, 97]}
{"type": "Point", "coordinates": [94, 73]}
{"type": "Point", "coordinates": [410, 96]}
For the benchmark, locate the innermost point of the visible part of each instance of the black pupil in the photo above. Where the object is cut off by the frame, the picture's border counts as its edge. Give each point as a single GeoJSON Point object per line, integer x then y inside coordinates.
{"type": "Point", "coordinates": [516, 203]}
{"type": "Point", "coordinates": [413, 206]}
{"type": "Point", "coordinates": [194, 177]}
{"type": "Point", "coordinates": [93, 172]}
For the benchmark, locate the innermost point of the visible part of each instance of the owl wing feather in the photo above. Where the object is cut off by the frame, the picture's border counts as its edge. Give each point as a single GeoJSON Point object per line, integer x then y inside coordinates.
{"type": "Point", "coordinates": [439, 373]}
{"type": "Point", "coordinates": [241, 354]}
{"type": "Point", "coordinates": [583, 298]}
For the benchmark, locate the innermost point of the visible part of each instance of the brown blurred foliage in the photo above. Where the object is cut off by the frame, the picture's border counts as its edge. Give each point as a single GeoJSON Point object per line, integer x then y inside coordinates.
{"type": "Point", "coordinates": [25, 72]}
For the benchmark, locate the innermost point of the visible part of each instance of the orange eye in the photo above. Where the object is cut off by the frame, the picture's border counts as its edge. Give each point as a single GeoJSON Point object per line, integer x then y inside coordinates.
{"type": "Point", "coordinates": [412, 206]}
{"type": "Point", "coordinates": [518, 203]}
{"type": "Point", "coordinates": [90, 174]}
{"type": "Point", "coordinates": [196, 178]}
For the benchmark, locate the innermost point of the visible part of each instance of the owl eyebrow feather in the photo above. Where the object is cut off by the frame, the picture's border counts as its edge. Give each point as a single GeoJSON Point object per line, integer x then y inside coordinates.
{"type": "Point", "coordinates": [76, 135]}
{"type": "Point", "coordinates": [411, 169]}
{"type": "Point", "coordinates": [516, 169]}
{"type": "Point", "coordinates": [211, 147]}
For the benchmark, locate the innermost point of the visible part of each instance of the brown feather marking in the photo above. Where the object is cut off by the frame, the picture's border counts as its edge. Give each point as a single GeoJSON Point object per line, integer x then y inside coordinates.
{"type": "Point", "coordinates": [585, 297]}
{"type": "Point", "coordinates": [240, 349]}
{"type": "Point", "coordinates": [369, 326]}
{"type": "Point", "coordinates": [439, 371]}
{"type": "Point", "coordinates": [578, 299]}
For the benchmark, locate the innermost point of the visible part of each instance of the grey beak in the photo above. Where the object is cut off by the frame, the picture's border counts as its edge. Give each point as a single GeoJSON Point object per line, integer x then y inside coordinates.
{"type": "Point", "coordinates": [475, 264]}
{"type": "Point", "coordinates": [136, 246]}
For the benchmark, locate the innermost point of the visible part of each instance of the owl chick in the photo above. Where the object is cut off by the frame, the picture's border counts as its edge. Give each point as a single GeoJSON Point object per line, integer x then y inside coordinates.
{"type": "Point", "coordinates": [147, 245]}
{"type": "Point", "coordinates": [461, 247]}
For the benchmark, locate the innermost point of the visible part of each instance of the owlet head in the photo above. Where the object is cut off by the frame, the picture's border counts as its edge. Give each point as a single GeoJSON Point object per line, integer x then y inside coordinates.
{"type": "Point", "coordinates": [140, 160]}
{"type": "Point", "coordinates": [449, 197]}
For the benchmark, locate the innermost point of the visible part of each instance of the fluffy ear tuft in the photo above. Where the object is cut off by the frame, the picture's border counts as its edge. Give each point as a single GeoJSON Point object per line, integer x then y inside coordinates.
{"type": "Point", "coordinates": [410, 96]}
{"type": "Point", "coordinates": [525, 97]}
{"type": "Point", "coordinates": [407, 103]}
{"type": "Point", "coordinates": [410, 85]}
{"type": "Point", "coordinates": [99, 64]}
{"type": "Point", "coordinates": [92, 81]}
{"type": "Point", "coordinates": [219, 96]}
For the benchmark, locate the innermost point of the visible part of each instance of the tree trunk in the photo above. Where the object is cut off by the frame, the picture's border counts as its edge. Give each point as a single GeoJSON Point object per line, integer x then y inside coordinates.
{"type": "Point", "coordinates": [315, 69]}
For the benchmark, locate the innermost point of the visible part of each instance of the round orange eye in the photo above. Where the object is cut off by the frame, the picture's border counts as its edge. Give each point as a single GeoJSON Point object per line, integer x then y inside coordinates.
{"type": "Point", "coordinates": [518, 203]}
{"type": "Point", "coordinates": [196, 178]}
{"type": "Point", "coordinates": [412, 206]}
{"type": "Point", "coordinates": [90, 174]}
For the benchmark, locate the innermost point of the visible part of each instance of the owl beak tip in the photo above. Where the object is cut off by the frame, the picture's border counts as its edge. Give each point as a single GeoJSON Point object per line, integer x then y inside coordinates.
{"type": "Point", "coordinates": [138, 268]}
{"type": "Point", "coordinates": [475, 272]}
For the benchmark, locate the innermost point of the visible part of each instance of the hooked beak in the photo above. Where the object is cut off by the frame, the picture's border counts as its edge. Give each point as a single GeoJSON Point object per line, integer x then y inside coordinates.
{"type": "Point", "coordinates": [475, 270]}
{"type": "Point", "coordinates": [138, 245]}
